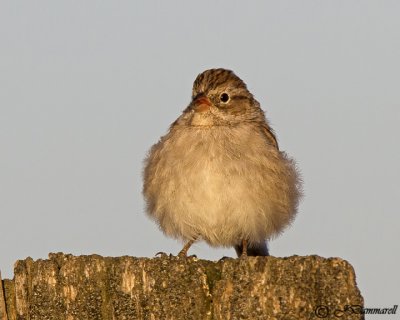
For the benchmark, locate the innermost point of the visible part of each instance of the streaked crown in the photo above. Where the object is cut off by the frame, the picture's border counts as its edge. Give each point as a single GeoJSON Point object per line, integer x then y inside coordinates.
{"type": "Point", "coordinates": [214, 79]}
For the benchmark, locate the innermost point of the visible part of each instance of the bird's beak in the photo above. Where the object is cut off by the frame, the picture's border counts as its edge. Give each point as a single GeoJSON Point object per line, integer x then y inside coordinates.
{"type": "Point", "coordinates": [201, 104]}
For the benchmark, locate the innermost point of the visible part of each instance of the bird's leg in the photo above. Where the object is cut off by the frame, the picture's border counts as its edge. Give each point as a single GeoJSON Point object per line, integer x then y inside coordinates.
{"type": "Point", "coordinates": [185, 249]}
{"type": "Point", "coordinates": [244, 250]}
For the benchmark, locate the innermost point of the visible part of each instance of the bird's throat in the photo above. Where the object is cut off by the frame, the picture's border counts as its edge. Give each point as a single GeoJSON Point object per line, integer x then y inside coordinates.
{"type": "Point", "coordinates": [201, 119]}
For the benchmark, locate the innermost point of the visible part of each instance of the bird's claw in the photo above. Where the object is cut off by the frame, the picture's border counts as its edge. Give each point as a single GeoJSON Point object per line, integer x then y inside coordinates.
{"type": "Point", "coordinates": [224, 258]}
{"type": "Point", "coordinates": [163, 254]}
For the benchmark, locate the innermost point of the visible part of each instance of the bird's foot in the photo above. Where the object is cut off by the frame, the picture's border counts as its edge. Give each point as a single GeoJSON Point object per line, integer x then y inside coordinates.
{"type": "Point", "coordinates": [185, 249]}
{"type": "Point", "coordinates": [244, 252]}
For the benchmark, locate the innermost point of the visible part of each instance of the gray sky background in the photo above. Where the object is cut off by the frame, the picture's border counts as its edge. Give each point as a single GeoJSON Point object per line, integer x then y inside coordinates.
{"type": "Point", "coordinates": [86, 87]}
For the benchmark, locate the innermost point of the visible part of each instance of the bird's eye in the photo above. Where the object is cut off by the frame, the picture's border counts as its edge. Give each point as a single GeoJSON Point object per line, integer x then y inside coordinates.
{"type": "Point", "coordinates": [224, 97]}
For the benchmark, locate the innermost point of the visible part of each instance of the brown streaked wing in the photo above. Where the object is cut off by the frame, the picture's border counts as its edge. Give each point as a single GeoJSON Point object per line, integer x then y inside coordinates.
{"type": "Point", "coordinates": [269, 134]}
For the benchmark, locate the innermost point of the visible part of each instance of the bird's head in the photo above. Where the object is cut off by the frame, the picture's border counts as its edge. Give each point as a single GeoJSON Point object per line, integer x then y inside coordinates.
{"type": "Point", "coordinates": [220, 97]}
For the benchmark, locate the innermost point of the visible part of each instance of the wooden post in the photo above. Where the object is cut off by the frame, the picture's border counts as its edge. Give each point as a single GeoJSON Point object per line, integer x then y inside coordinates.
{"type": "Point", "coordinates": [3, 313]}
{"type": "Point", "coordinates": [67, 287]}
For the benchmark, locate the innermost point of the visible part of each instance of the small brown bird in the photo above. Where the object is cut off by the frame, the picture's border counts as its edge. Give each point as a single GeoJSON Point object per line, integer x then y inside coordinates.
{"type": "Point", "coordinates": [218, 174]}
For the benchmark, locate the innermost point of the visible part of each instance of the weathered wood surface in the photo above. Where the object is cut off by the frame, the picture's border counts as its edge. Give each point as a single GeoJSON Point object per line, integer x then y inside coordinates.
{"type": "Point", "coordinates": [3, 313]}
{"type": "Point", "coordinates": [94, 287]}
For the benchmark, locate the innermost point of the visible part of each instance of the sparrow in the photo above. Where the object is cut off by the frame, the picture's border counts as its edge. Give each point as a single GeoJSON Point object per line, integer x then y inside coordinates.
{"type": "Point", "coordinates": [218, 175]}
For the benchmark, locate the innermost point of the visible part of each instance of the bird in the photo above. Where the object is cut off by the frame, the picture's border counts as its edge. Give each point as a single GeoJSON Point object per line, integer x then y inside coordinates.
{"type": "Point", "coordinates": [218, 175]}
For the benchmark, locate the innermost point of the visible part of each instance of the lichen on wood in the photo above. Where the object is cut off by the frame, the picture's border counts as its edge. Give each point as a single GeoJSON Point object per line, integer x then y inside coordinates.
{"type": "Point", "coordinates": [167, 287]}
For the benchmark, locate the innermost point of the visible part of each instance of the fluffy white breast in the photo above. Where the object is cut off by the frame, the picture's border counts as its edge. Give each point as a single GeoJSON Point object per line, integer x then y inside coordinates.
{"type": "Point", "coordinates": [219, 185]}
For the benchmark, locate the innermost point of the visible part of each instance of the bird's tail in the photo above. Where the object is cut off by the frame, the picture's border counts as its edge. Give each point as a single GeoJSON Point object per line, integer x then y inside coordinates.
{"type": "Point", "coordinates": [258, 249]}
